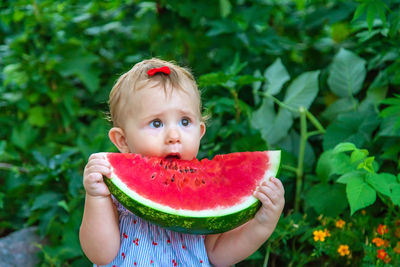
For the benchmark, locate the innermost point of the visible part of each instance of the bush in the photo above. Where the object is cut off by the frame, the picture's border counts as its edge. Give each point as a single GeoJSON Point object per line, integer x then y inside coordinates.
{"type": "Point", "coordinates": [317, 79]}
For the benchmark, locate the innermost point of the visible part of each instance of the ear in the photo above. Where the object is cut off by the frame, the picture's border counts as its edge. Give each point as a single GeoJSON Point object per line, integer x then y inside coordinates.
{"type": "Point", "coordinates": [202, 129]}
{"type": "Point", "coordinates": [117, 136]}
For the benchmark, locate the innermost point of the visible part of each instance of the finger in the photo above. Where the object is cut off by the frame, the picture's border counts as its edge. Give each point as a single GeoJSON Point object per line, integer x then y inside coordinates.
{"type": "Point", "coordinates": [97, 161]}
{"type": "Point", "coordinates": [269, 192]}
{"type": "Point", "coordinates": [95, 177]}
{"type": "Point", "coordinates": [263, 198]}
{"type": "Point", "coordinates": [103, 170]}
{"type": "Point", "coordinates": [278, 186]}
{"type": "Point", "coordinates": [275, 184]}
{"type": "Point", "coordinates": [100, 155]}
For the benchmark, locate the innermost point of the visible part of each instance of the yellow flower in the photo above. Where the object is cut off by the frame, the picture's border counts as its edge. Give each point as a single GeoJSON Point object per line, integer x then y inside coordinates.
{"type": "Point", "coordinates": [319, 235]}
{"type": "Point", "coordinates": [340, 223]}
{"type": "Point", "coordinates": [343, 250]}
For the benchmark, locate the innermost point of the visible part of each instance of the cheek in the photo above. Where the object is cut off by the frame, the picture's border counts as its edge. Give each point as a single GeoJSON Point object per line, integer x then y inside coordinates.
{"type": "Point", "coordinates": [143, 142]}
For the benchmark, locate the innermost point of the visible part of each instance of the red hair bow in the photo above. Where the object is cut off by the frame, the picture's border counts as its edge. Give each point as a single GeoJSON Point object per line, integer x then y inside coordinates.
{"type": "Point", "coordinates": [163, 69]}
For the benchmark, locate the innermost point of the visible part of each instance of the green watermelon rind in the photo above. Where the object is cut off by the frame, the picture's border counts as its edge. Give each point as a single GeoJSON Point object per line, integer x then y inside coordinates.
{"type": "Point", "coordinates": [184, 224]}
{"type": "Point", "coordinates": [193, 224]}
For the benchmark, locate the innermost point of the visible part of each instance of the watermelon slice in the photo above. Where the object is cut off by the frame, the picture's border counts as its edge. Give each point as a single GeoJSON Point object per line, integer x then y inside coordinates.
{"type": "Point", "coordinates": [197, 197]}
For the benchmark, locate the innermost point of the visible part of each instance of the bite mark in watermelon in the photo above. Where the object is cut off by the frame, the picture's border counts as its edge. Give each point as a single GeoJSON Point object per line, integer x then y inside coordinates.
{"type": "Point", "coordinates": [197, 197]}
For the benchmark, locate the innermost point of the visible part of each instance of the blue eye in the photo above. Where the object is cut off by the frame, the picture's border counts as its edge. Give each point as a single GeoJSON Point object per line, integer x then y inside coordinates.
{"type": "Point", "coordinates": [156, 124]}
{"type": "Point", "coordinates": [185, 122]}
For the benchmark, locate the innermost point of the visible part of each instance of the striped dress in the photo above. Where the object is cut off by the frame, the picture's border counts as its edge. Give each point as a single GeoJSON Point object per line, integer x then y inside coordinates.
{"type": "Point", "coordinates": [146, 244]}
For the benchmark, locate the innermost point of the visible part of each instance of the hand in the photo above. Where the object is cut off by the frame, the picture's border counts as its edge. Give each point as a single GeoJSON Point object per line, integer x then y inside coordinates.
{"type": "Point", "coordinates": [95, 169]}
{"type": "Point", "coordinates": [271, 195]}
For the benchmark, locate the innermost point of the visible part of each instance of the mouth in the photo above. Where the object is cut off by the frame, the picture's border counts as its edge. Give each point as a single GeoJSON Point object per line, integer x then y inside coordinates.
{"type": "Point", "coordinates": [173, 156]}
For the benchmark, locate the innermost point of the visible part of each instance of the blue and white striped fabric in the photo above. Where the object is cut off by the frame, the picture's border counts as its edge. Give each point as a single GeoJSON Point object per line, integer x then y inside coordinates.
{"type": "Point", "coordinates": [146, 244]}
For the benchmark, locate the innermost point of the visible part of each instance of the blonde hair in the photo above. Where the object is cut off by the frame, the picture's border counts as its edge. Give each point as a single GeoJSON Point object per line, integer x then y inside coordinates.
{"type": "Point", "coordinates": [137, 78]}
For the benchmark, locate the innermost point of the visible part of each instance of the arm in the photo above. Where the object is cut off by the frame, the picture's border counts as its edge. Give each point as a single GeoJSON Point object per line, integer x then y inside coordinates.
{"type": "Point", "coordinates": [236, 245]}
{"type": "Point", "coordinates": [99, 233]}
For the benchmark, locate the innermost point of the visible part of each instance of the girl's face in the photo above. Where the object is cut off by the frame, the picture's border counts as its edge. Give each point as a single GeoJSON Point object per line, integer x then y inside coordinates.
{"type": "Point", "coordinates": [163, 124]}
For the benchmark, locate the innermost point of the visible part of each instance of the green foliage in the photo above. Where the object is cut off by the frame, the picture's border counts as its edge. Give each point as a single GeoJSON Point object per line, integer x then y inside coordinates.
{"type": "Point", "coordinates": [317, 79]}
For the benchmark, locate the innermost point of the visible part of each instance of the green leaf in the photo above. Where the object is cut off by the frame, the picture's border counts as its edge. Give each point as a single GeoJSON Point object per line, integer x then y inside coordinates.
{"type": "Point", "coordinates": [354, 127]}
{"type": "Point", "coordinates": [391, 111]}
{"type": "Point", "coordinates": [256, 87]}
{"type": "Point", "coordinates": [381, 182]}
{"type": "Point", "coordinates": [46, 200]}
{"type": "Point", "coordinates": [273, 127]}
{"type": "Point", "coordinates": [276, 75]}
{"type": "Point", "coordinates": [358, 155]}
{"type": "Point", "coordinates": [80, 65]}
{"type": "Point", "coordinates": [24, 135]}
{"type": "Point", "coordinates": [359, 194]}
{"type": "Point", "coordinates": [247, 79]}
{"type": "Point", "coordinates": [225, 7]}
{"type": "Point", "coordinates": [388, 127]}
{"type": "Point", "coordinates": [367, 164]}
{"type": "Point", "coordinates": [343, 147]}
{"type": "Point", "coordinates": [349, 176]}
{"type": "Point", "coordinates": [395, 194]}
{"type": "Point", "coordinates": [14, 73]}
{"type": "Point", "coordinates": [1, 200]}
{"type": "Point", "coordinates": [3, 144]}
{"type": "Point", "coordinates": [213, 79]}
{"type": "Point", "coordinates": [303, 90]}
{"type": "Point", "coordinates": [63, 204]}
{"type": "Point", "coordinates": [321, 196]}
{"type": "Point", "coordinates": [330, 163]}
{"type": "Point", "coordinates": [359, 11]}
{"type": "Point", "coordinates": [346, 74]}
{"type": "Point", "coordinates": [219, 27]}
{"type": "Point", "coordinates": [392, 100]}
{"type": "Point", "coordinates": [255, 256]}
{"type": "Point", "coordinates": [37, 116]}
{"type": "Point", "coordinates": [375, 9]}
{"type": "Point", "coordinates": [236, 67]}
{"type": "Point", "coordinates": [340, 106]}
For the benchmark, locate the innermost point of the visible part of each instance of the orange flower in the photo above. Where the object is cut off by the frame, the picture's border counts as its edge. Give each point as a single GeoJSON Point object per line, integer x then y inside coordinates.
{"type": "Point", "coordinates": [381, 254]}
{"type": "Point", "coordinates": [397, 232]}
{"type": "Point", "coordinates": [340, 223]}
{"type": "Point", "coordinates": [397, 248]}
{"type": "Point", "coordinates": [387, 259]}
{"type": "Point", "coordinates": [382, 229]}
{"type": "Point", "coordinates": [319, 235]}
{"type": "Point", "coordinates": [343, 250]}
{"type": "Point", "coordinates": [327, 233]}
{"type": "Point", "coordinates": [363, 212]}
{"type": "Point", "coordinates": [378, 241]}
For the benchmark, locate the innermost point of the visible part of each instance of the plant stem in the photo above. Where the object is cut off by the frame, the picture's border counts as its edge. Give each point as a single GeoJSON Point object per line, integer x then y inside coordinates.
{"type": "Point", "coordinates": [237, 106]}
{"type": "Point", "coordinates": [289, 168]}
{"type": "Point", "coordinates": [267, 255]}
{"type": "Point", "coordinates": [315, 122]}
{"type": "Point", "coordinates": [300, 163]}
{"type": "Point", "coordinates": [309, 134]}
{"type": "Point", "coordinates": [277, 101]}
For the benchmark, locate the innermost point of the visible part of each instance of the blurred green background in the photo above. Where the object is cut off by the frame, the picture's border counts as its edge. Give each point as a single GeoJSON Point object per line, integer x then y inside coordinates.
{"type": "Point", "coordinates": [296, 75]}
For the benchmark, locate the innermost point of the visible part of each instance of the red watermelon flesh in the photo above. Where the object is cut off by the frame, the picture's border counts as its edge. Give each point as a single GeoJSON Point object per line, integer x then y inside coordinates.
{"type": "Point", "coordinates": [205, 188]}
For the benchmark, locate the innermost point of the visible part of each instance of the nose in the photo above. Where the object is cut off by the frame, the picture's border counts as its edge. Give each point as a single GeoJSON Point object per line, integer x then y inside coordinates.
{"type": "Point", "coordinates": [173, 136]}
